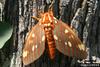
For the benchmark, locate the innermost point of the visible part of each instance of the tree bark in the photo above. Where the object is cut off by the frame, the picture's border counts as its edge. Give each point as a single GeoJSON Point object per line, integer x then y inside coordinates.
{"type": "Point", "coordinates": [82, 15]}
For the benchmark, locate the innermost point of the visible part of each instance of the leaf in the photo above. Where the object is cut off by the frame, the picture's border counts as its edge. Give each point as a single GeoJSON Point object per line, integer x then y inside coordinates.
{"type": "Point", "coordinates": [5, 33]}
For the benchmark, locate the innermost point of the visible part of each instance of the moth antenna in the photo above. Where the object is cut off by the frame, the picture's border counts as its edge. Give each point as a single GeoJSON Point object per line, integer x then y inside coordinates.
{"type": "Point", "coordinates": [50, 7]}
{"type": "Point", "coordinates": [36, 18]}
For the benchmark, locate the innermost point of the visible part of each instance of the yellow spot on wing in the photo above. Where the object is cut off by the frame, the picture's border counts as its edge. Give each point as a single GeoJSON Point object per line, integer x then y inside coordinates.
{"type": "Point", "coordinates": [81, 47]}
{"type": "Point", "coordinates": [55, 37]}
{"type": "Point", "coordinates": [66, 31]}
{"type": "Point", "coordinates": [69, 43]}
{"type": "Point", "coordinates": [65, 43]}
{"type": "Point", "coordinates": [43, 38]}
{"type": "Point", "coordinates": [33, 35]}
{"type": "Point", "coordinates": [55, 20]}
{"type": "Point", "coordinates": [25, 53]}
{"type": "Point", "coordinates": [33, 48]}
{"type": "Point", "coordinates": [36, 46]}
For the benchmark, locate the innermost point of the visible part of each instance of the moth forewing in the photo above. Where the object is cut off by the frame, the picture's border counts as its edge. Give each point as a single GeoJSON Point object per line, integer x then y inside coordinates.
{"type": "Point", "coordinates": [34, 46]}
{"type": "Point", "coordinates": [68, 41]}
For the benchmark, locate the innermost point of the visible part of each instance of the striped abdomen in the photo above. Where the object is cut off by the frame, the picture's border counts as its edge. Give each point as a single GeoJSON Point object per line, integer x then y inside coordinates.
{"type": "Point", "coordinates": [50, 41]}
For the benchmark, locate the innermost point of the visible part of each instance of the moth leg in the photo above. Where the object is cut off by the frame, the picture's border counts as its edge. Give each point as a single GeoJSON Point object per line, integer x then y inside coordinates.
{"type": "Point", "coordinates": [36, 18]}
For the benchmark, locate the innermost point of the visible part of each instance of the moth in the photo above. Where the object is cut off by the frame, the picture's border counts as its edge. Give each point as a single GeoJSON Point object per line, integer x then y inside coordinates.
{"type": "Point", "coordinates": [57, 34]}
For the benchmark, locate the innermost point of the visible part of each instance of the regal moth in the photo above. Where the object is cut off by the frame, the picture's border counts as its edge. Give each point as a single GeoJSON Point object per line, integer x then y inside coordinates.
{"type": "Point", "coordinates": [57, 35]}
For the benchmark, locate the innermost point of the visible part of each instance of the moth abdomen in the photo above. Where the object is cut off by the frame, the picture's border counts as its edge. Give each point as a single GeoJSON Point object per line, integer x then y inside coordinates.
{"type": "Point", "coordinates": [50, 42]}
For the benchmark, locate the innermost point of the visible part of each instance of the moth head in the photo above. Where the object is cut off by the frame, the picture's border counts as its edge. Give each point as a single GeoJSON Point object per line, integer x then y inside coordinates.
{"type": "Point", "coordinates": [47, 19]}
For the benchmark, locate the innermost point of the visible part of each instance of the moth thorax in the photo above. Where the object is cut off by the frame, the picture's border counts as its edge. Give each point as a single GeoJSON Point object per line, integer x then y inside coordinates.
{"type": "Point", "coordinates": [49, 26]}
{"type": "Point", "coordinates": [50, 41]}
{"type": "Point", "coordinates": [47, 20]}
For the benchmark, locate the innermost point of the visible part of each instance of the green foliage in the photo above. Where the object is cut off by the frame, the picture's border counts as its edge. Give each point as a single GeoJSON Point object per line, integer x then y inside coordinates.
{"type": "Point", "coordinates": [5, 33]}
